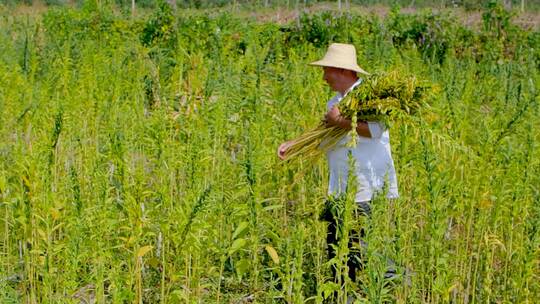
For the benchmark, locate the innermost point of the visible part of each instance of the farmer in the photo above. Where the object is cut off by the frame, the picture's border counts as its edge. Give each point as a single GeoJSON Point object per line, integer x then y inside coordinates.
{"type": "Point", "coordinates": [373, 164]}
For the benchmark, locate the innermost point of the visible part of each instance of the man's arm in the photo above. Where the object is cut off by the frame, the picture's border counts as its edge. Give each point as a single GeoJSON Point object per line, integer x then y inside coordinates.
{"type": "Point", "coordinates": [334, 118]}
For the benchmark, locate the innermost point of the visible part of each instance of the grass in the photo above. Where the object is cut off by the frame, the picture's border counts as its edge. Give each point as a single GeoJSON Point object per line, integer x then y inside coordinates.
{"type": "Point", "coordinates": [130, 175]}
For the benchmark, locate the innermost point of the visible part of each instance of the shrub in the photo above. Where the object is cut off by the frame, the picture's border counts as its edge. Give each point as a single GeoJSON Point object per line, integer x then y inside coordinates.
{"type": "Point", "coordinates": [160, 30]}
{"type": "Point", "coordinates": [429, 32]}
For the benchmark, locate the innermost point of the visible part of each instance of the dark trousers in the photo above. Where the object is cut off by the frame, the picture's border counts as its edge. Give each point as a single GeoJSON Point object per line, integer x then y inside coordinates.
{"type": "Point", "coordinates": [333, 214]}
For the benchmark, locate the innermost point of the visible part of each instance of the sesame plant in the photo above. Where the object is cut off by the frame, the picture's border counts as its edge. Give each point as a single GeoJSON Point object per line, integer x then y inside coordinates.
{"type": "Point", "coordinates": [138, 159]}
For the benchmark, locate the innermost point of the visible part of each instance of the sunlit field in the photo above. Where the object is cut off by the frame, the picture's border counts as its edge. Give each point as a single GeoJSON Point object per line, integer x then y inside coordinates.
{"type": "Point", "coordinates": [138, 158]}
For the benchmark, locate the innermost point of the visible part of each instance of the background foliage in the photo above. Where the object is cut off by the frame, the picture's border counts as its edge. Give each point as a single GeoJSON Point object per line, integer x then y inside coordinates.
{"type": "Point", "coordinates": [470, 5]}
{"type": "Point", "coordinates": [137, 158]}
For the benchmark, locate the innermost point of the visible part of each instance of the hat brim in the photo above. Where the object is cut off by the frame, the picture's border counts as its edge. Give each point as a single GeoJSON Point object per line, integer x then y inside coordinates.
{"type": "Point", "coordinates": [324, 63]}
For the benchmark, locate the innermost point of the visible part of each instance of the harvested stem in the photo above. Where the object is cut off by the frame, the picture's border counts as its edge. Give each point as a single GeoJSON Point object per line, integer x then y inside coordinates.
{"type": "Point", "coordinates": [315, 142]}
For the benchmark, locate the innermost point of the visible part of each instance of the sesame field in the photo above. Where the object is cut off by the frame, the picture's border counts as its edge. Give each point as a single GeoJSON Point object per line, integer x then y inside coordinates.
{"type": "Point", "coordinates": [138, 156]}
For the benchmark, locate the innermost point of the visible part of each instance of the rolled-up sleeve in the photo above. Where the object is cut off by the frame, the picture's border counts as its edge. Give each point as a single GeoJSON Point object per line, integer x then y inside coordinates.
{"type": "Point", "coordinates": [376, 129]}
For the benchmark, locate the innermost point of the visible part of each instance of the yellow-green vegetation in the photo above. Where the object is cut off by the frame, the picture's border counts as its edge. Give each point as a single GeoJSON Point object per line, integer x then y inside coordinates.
{"type": "Point", "coordinates": [385, 96]}
{"type": "Point", "coordinates": [138, 159]}
{"type": "Point", "coordinates": [381, 97]}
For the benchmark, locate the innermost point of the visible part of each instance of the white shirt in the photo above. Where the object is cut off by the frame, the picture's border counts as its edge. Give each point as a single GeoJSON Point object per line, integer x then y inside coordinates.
{"type": "Point", "coordinates": [373, 163]}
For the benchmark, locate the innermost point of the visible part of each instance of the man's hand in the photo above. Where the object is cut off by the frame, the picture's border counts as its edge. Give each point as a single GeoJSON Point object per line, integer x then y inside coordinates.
{"type": "Point", "coordinates": [334, 118]}
{"type": "Point", "coordinates": [282, 150]}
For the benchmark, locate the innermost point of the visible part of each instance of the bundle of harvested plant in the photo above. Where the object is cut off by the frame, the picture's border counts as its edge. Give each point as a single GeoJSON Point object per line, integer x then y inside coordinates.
{"type": "Point", "coordinates": [382, 97]}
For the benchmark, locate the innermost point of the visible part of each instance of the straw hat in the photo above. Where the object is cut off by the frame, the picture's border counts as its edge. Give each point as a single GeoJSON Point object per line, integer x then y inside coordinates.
{"type": "Point", "coordinates": [340, 55]}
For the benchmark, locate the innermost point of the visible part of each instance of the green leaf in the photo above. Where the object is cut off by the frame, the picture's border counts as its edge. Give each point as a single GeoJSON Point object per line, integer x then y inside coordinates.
{"type": "Point", "coordinates": [237, 245]}
{"type": "Point", "coordinates": [143, 250]}
{"type": "Point", "coordinates": [328, 288]}
{"type": "Point", "coordinates": [272, 207]}
{"type": "Point", "coordinates": [240, 230]}
{"type": "Point", "coordinates": [242, 267]}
